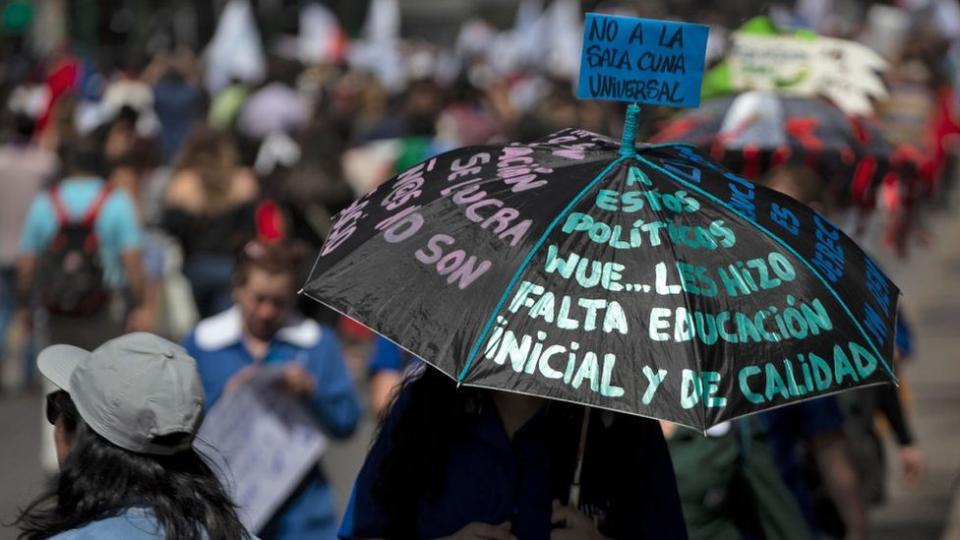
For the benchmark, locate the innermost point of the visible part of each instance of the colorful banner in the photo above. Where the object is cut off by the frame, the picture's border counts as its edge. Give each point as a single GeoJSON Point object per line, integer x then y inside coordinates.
{"type": "Point", "coordinates": [845, 72]}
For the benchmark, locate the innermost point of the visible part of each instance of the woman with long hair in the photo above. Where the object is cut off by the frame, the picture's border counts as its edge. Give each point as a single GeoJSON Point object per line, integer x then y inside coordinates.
{"type": "Point", "coordinates": [209, 208]}
{"type": "Point", "coordinates": [124, 424]}
{"type": "Point", "coordinates": [458, 463]}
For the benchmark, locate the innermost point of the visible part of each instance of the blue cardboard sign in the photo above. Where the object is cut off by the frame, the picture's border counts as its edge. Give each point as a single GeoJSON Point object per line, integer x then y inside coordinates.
{"type": "Point", "coordinates": [642, 60]}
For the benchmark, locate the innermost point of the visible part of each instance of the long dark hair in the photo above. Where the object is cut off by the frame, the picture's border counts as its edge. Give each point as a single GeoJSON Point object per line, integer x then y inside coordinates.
{"type": "Point", "coordinates": [99, 480]}
{"type": "Point", "coordinates": [429, 415]}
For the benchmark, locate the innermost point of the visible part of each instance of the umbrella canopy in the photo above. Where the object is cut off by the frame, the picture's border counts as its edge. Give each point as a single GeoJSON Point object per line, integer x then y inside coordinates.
{"type": "Point", "coordinates": [651, 282]}
{"type": "Point", "coordinates": [754, 132]}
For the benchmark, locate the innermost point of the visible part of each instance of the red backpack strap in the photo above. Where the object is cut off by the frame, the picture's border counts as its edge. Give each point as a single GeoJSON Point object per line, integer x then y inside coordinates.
{"type": "Point", "coordinates": [91, 216]}
{"type": "Point", "coordinates": [63, 217]}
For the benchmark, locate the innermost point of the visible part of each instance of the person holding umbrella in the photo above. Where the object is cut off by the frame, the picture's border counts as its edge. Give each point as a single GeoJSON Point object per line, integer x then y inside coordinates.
{"type": "Point", "coordinates": [475, 460]}
{"type": "Point", "coordinates": [471, 464]}
{"type": "Point", "coordinates": [645, 281]}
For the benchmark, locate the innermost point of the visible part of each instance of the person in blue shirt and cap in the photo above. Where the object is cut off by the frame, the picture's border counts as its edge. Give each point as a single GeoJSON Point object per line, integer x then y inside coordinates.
{"type": "Point", "coordinates": [467, 464]}
{"type": "Point", "coordinates": [261, 330]}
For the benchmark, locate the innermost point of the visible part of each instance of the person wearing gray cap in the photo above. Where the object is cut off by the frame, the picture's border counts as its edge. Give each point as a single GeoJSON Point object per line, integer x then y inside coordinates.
{"type": "Point", "coordinates": [124, 418]}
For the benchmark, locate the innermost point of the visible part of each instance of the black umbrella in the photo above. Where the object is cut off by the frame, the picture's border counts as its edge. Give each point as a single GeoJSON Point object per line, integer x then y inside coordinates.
{"type": "Point", "coordinates": [648, 281]}
{"type": "Point", "coordinates": [754, 132]}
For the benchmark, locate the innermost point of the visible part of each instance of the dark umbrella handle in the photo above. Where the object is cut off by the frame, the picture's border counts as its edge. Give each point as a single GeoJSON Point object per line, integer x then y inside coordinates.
{"type": "Point", "coordinates": [628, 149]}
{"type": "Point", "coordinates": [574, 498]}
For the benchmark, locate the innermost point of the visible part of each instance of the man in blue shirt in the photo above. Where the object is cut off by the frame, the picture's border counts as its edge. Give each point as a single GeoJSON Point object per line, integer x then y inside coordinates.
{"type": "Point", "coordinates": [262, 329]}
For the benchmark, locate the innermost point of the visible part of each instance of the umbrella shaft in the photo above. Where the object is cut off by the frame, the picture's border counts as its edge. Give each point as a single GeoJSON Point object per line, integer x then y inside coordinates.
{"type": "Point", "coordinates": [628, 145]}
{"type": "Point", "coordinates": [574, 498]}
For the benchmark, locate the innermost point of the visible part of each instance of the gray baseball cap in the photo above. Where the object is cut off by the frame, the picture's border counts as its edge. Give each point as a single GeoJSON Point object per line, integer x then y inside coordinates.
{"type": "Point", "coordinates": [138, 391]}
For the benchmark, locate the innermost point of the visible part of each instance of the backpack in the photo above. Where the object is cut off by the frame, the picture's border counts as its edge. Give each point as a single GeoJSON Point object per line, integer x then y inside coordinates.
{"type": "Point", "coordinates": [71, 272]}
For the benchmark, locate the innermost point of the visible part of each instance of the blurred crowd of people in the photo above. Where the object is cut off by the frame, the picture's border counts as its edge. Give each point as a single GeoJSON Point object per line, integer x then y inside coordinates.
{"type": "Point", "coordinates": [192, 193]}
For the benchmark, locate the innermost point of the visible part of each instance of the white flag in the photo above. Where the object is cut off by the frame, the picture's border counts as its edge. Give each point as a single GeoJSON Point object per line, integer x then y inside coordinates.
{"type": "Point", "coordinates": [235, 50]}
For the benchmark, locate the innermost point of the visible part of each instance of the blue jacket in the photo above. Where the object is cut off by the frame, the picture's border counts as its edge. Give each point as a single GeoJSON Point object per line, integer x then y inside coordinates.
{"type": "Point", "coordinates": [131, 524]}
{"type": "Point", "coordinates": [217, 345]}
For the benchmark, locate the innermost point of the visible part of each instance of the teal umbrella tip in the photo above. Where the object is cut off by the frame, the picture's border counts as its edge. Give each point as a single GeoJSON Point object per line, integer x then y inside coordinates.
{"type": "Point", "coordinates": [628, 145]}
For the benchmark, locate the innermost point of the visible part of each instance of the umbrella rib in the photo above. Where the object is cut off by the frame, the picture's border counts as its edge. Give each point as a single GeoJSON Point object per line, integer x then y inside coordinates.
{"type": "Point", "coordinates": [651, 416]}
{"type": "Point", "coordinates": [526, 262]}
{"type": "Point", "coordinates": [784, 245]}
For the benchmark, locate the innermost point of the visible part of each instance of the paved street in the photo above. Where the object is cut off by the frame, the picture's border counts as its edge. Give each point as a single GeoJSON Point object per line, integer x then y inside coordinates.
{"type": "Point", "coordinates": [20, 474]}
{"type": "Point", "coordinates": [931, 297]}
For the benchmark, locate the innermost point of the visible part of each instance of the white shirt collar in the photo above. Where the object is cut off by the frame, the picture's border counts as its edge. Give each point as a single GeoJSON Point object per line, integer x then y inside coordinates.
{"type": "Point", "coordinates": [226, 329]}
